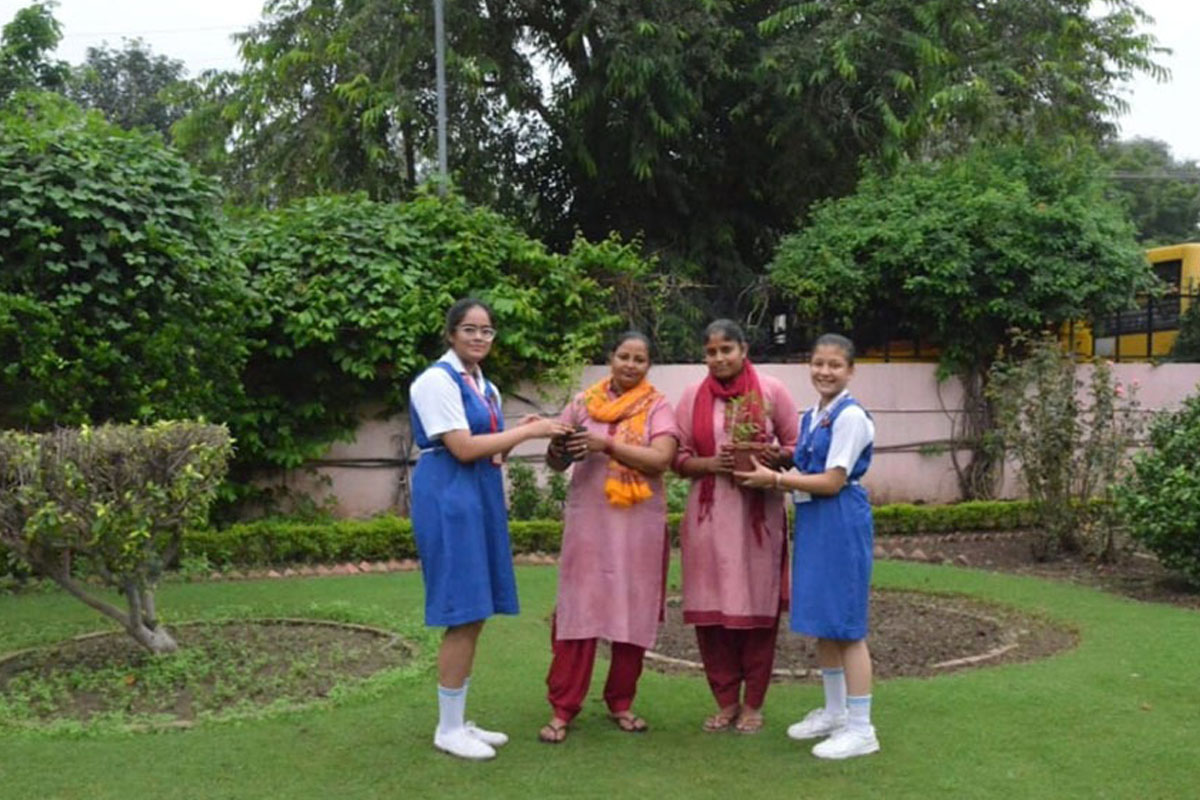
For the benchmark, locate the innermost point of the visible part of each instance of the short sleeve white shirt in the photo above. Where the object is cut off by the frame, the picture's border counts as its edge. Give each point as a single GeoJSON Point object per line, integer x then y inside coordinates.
{"type": "Point", "coordinates": [852, 431]}
{"type": "Point", "coordinates": [437, 399]}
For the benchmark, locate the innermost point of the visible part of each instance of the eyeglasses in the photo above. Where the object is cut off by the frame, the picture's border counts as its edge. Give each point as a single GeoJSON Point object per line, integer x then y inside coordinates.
{"type": "Point", "coordinates": [471, 331]}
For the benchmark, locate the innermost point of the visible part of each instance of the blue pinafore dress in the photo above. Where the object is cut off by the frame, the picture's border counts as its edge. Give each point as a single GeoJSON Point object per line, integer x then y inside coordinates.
{"type": "Point", "coordinates": [834, 541]}
{"type": "Point", "coordinates": [460, 521]}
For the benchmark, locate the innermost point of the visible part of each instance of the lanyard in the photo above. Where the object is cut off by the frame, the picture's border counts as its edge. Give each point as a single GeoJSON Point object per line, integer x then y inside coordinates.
{"type": "Point", "coordinates": [488, 402]}
{"type": "Point", "coordinates": [816, 420]}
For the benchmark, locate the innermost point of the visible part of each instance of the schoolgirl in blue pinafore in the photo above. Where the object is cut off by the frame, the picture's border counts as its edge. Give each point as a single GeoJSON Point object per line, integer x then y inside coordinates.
{"type": "Point", "coordinates": [460, 521]}
{"type": "Point", "coordinates": [834, 539]}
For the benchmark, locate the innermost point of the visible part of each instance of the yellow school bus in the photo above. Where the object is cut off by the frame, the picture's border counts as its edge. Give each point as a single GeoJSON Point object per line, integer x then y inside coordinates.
{"type": "Point", "coordinates": [1148, 331]}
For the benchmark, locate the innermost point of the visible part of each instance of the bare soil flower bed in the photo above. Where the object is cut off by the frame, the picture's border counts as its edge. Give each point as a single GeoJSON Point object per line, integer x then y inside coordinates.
{"type": "Point", "coordinates": [921, 635]}
{"type": "Point", "coordinates": [1133, 574]}
{"type": "Point", "coordinates": [912, 634]}
{"type": "Point", "coordinates": [221, 668]}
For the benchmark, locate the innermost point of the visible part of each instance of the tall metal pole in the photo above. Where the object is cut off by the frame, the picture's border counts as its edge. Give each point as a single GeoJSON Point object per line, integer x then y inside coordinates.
{"type": "Point", "coordinates": [439, 34]}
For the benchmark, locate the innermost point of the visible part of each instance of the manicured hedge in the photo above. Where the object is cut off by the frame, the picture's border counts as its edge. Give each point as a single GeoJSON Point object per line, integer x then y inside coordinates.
{"type": "Point", "coordinates": [286, 541]}
{"type": "Point", "coordinates": [282, 541]}
{"type": "Point", "coordinates": [273, 541]}
{"type": "Point", "coordinates": [977, 515]}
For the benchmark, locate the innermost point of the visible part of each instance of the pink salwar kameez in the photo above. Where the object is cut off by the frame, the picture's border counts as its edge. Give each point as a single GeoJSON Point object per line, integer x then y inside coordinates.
{"type": "Point", "coordinates": [734, 577]}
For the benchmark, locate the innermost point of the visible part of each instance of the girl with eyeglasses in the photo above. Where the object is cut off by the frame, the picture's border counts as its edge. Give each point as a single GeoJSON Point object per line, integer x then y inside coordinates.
{"type": "Point", "coordinates": [458, 512]}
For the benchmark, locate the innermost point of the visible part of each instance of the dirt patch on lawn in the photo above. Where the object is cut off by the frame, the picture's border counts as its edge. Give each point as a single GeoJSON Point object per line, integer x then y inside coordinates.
{"type": "Point", "coordinates": [220, 669]}
{"type": "Point", "coordinates": [912, 634]}
{"type": "Point", "coordinates": [1134, 574]}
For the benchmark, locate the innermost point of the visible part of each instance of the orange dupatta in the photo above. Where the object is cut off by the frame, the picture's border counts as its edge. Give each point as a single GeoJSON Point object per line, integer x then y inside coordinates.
{"type": "Point", "coordinates": [630, 410]}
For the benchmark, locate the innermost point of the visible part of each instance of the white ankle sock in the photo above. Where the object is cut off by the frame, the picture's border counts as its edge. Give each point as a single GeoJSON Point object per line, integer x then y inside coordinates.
{"type": "Point", "coordinates": [835, 690]}
{"type": "Point", "coordinates": [452, 704]}
{"type": "Point", "coordinates": [860, 711]}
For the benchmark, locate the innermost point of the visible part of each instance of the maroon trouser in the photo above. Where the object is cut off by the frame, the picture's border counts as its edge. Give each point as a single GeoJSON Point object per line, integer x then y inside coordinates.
{"type": "Point", "coordinates": [571, 674]}
{"type": "Point", "coordinates": [736, 656]}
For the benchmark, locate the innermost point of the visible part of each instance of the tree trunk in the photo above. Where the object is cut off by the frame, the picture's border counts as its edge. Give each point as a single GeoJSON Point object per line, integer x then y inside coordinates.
{"type": "Point", "coordinates": [145, 631]}
{"type": "Point", "coordinates": [977, 479]}
{"type": "Point", "coordinates": [410, 154]}
{"type": "Point", "coordinates": [141, 623]}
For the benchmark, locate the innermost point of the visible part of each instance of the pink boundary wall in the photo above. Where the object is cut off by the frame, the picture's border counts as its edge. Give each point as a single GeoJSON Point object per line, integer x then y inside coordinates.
{"type": "Point", "coordinates": [912, 413]}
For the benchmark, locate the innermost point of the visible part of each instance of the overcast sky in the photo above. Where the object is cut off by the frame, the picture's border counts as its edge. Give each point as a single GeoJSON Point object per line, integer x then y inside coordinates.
{"type": "Point", "coordinates": [197, 32]}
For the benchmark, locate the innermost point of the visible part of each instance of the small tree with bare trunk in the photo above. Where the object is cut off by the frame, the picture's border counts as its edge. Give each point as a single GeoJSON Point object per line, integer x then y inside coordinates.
{"type": "Point", "coordinates": [111, 501]}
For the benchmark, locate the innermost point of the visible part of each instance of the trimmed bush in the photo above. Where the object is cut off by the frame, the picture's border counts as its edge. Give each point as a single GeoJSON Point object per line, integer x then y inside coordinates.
{"type": "Point", "coordinates": [111, 502]}
{"type": "Point", "coordinates": [899, 519]}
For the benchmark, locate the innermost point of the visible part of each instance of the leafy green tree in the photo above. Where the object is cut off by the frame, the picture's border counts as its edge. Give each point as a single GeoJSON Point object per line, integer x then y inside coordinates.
{"type": "Point", "coordinates": [132, 87]}
{"type": "Point", "coordinates": [337, 96]}
{"type": "Point", "coordinates": [118, 297]}
{"type": "Point", "coordinates": [25, 45]}
{"type": "Point", "coordinates": [1161, 194]}
{"type": "Point", "coordinates": [354, 294]}
{"type": "Point", "coordinates": [966, 252]}
{"type": "Point", "coordinates": [704, 127]}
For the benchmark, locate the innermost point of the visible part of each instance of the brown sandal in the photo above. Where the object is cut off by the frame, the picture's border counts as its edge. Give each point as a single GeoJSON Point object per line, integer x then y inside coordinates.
{"type": "Point", "coordinates": [553, 732]}
{"type": "Point", "coordinates": [629, 722]}
{"type": "Point", "coordinates": [749, 722]}
{"type": "Point", "coordinates": [721, 721]}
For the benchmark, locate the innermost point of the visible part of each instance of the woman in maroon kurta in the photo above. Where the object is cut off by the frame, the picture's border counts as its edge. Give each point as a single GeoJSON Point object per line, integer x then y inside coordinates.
{"type": "Point", "coordinates": [614, 552]}
{"type": "Point", "coordinates": [733, 538]}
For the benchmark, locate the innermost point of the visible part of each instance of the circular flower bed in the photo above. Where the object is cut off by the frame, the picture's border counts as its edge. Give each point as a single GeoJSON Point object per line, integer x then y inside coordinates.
{"type": "Point", "coordinates": [911, 633]}
{"type": "Point", "coordinates": [222, 669]}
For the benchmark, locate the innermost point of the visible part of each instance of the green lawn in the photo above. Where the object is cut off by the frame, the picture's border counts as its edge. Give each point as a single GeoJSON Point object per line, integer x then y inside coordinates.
{"type": "Point", "coordinates": [1117, 717]}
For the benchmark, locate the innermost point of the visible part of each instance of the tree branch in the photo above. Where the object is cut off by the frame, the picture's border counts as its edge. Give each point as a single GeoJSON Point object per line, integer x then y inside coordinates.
{"type": "Point", "coordinates": [76, 589]}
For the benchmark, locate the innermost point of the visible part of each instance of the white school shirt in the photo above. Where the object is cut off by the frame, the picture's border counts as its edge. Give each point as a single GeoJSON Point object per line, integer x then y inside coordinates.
{"type": "Point", "coordinates": [436, 398]}
{"type": "Point", "coordinates": [852, 432]}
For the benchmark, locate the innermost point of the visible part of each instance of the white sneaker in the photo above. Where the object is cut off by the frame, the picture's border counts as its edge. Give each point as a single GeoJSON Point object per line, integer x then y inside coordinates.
{"type": "Point", "coordinates": [461, 743]}
{"type": "Point", "coordinates": [493, 738]}
{"type": "Point", "coordinates": [848, 743]}
{"type": "Point", "coordinates": [816, 723]}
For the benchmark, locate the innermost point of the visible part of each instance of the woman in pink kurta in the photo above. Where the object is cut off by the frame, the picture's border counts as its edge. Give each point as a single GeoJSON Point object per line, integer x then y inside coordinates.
{"type": "Point", "coordinates": [733, 539]}
{"type": "Point", "coordinates": [614, 551]}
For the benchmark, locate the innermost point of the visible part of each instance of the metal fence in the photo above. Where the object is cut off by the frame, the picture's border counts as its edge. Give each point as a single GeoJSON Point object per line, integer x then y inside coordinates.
{"type": "Point", "coordinates": [1156, 320]}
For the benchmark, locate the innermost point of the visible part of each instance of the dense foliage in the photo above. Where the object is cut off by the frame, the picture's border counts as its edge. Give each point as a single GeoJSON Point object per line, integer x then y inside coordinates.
{"type": "Point", "coordinates": [112, 502]}
{"type": "Point", "coordinates": [706, 126]}
{"type": "Point", "coordinates": [132, 87]}
{"type": "Point", "coordinates": [118, 298]}
{"type": "Point", "coordinates": [966, 252]}
{"type": "Point", "coordinates": [1161, 499]}
{"type": "Point", "coordinates": [26, 43]}
{"type": "Point", "coordinates": [1162, 195]}
{"type": "Point", "coordinates": [353, 295]}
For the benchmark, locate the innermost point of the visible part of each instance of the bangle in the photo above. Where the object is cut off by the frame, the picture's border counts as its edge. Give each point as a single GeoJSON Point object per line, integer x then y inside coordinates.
{"type": "Point", "coordinates": [777, 480]}
{"type": "Point", "coordinates": [608, 448]}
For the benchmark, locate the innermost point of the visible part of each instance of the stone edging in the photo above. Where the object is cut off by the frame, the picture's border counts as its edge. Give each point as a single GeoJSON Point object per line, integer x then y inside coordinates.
{"type": "Point", "coordinates": [1011, 643]}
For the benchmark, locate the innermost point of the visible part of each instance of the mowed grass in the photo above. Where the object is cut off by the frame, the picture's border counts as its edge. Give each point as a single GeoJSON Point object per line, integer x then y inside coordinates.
{"type": "Point", "coordinates": [1118, 717]}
